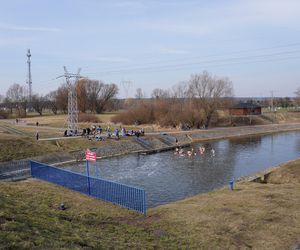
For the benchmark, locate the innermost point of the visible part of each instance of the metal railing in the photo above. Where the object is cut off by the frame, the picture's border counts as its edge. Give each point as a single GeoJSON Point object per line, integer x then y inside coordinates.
{"type": "Point", "coordinates": [123, 195]}
{"type": "Point", "coordinates": [13, 170]}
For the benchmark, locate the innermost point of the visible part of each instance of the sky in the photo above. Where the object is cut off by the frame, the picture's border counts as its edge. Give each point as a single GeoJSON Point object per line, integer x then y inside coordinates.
{"type": "Point", "coordinates": [152, 44]}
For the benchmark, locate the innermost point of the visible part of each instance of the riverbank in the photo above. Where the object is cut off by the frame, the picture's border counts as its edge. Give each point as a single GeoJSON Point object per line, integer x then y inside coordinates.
{"type": "Point", "coordinates": [56, 152]}
{"type": "Point", "coordinates": [255, 215]}
{"type": "Point", "coordinates": [156, 142]}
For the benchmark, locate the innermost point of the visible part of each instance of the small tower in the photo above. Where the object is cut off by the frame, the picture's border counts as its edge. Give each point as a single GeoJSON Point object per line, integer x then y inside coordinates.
{"type": "Point", "coordinates": [29, 80]}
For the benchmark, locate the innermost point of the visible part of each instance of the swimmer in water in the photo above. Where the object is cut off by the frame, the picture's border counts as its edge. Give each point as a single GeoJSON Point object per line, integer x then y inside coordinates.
{"type": "Point", "coordinates": [201, 150]}
{"type": "Point", "coordinates": [176, 151]}
{"type": "Point", "coordinates": [181, 152]}
{"type": "Point", "coordinates": [193, 152]}
{"type": "Point", "coordinates": [213, 152]}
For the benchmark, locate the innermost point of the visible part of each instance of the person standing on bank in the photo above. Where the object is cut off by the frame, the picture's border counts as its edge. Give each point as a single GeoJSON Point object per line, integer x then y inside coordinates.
{"type": "Point", "coordinates": [37, 135]}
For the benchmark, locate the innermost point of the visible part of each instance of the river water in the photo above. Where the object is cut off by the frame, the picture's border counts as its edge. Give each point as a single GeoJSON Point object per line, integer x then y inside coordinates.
{"type": "Point", "coordinates": [167, 177]}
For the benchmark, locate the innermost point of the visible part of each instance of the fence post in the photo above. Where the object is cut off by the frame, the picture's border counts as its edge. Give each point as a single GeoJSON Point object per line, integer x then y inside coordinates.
{"type": "Point", "coordinates": [88, 177]}
{"type": "Point", "coordinates": [144, 203]}
{"type": "Point", "coordinates": [231, 184]}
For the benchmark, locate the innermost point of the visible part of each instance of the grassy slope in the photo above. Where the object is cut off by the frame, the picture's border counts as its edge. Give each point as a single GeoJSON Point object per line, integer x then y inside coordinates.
{"type": "Point", "coordinates": [19, 148]}
{"type": "Point", "coordinates": [259, 216]}
{"type": "Point", "coordinates": [14, 147]}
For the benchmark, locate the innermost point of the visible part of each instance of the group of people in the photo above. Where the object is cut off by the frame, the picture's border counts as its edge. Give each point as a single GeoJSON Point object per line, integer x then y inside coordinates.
{"type": "Point", "coordinates": [192, 152]}
{"type": "Point", "coordinates": [136, 133]}
{"type": "Point", "coordinates": [97, 132]}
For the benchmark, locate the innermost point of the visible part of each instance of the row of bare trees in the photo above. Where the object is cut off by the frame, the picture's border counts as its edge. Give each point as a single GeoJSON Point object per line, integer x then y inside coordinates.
{"type": "Point", "coordinates": [93, 96]}
{"type": "Point", "coordinates": [187, 104]}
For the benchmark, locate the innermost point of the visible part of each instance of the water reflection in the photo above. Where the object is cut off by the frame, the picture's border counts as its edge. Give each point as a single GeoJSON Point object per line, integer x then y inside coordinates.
{"type": "Point", "coordinates": [167, 177]}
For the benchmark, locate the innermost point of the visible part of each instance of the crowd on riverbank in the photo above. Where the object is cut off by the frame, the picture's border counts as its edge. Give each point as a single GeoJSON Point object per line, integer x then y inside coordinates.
{"type": "Point", "coordinates": [100, 134]}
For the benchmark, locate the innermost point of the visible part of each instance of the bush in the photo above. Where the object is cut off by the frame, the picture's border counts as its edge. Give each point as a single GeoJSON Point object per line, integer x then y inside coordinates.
{"type": "Point", "coordinates": [137, 114]}
{"type": "Point", "coordinates": [191, 117]}
{"type": "Point", "coordinates": [165, 113]}
{"type": "Point", "coordinates": [4, 114]}
{"type": "Point", "coordinates": [84, 117]}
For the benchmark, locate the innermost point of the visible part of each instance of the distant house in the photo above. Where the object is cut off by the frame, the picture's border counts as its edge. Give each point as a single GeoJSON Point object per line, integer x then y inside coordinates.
{"type": "Point", "coordinates": [246, 108]}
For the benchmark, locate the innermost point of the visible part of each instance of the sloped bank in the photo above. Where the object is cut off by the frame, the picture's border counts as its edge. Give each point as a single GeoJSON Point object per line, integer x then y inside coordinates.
{"type": "Point", "coordinates": [222, 133]}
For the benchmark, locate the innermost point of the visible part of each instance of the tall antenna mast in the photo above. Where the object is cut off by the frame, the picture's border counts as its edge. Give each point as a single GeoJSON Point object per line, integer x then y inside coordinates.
{"type": "Point", "coordinates": [72, 119]}
{"type": "Point", "coordinates": [29, 80]}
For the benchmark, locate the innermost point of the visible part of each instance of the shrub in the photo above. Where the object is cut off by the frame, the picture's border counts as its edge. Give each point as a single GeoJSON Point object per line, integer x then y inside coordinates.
{"type": "Point", "coordinates": [4, 114]}
{"type": "Point", "coordinates": [137, 114]}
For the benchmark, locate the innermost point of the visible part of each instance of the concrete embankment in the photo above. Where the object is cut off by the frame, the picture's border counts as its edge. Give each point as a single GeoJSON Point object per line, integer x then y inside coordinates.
{"type": "Point", "coordinates": [221, 133]}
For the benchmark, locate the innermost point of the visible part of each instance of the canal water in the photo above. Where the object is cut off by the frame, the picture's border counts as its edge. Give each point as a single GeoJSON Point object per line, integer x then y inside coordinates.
{"type": "Point", "coordinates": [167, 177]}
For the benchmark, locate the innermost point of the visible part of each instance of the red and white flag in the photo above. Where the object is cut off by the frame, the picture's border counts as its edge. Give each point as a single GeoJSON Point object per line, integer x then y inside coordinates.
{"type": "Point", "coordinates": [90, 156]}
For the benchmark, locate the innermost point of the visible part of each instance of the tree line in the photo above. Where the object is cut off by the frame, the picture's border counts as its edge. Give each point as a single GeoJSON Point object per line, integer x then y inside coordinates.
{"type": "Point", "coordinates": [190, 104]}
{"type": "Point", "coordinates": [92, 95]}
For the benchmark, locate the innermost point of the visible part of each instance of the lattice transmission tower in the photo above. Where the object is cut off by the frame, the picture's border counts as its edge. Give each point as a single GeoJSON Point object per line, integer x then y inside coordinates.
{"type": "Point", "coordinates": [29, 80]}
{"type": "Point", "coordinates": [126, 86]}
{"type": "Point", "coordinates": [72, 120]}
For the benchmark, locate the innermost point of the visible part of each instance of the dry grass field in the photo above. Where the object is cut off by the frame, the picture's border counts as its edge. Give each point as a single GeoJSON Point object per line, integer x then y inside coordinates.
{"type": "Point", "coordinates": [60, 120]}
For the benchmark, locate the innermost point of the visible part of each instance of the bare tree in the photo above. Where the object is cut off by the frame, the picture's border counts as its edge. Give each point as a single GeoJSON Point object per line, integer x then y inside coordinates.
{"type": "Point", "coordinates": [180, 90]}
{"type": "Point", "coordinates": [93, 89]}
{"type": "Point", "coordinates": [38, 103]}
{"type": "Point", "coordinates": [82, 96]}
{"type": "Point", "coordinates": [17, 94]}
{"type": "Point", "coordinates": [94, 95]}
{"type": "Point", "coordinates": [208, 92]}
{"type": "Point", "coordinates": [108, 92]}
{"type": "Point", "coordinates": [159, 93]}
{"type": "Point", "coordinates": [139, 94]}
{"type": "Point", "coordinates": [61, 98]}
{"type": "Point", "coordinates": [297, 98]}
{"type": "Point", "coordinates": [51, 100]}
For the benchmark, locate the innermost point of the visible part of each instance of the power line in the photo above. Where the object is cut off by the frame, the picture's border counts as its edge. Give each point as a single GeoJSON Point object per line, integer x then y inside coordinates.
{"type": "Point", "coordinates": [176, 66]}
{"type": "Point", "coordinates": [203, 63]}
{"type": "Point", "coordinates": [206, 56]}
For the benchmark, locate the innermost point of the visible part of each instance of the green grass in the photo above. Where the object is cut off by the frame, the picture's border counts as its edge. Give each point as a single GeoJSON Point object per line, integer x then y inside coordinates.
{"type": "Point", "coordinates": [254, 215]}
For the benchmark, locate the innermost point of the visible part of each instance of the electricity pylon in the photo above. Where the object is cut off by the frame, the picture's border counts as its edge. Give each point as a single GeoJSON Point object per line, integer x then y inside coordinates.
{"type": "Point", "coordinates": [72, 119]}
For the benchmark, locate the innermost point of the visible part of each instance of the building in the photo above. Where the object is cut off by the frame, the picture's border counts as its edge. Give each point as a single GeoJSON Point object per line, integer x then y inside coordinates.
{"type": "Point", "coordinates": [246, 108]}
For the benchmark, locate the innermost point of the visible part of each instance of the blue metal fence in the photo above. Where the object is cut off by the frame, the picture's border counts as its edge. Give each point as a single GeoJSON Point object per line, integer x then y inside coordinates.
{"type": "Point", "coordinates": [124, 195]}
